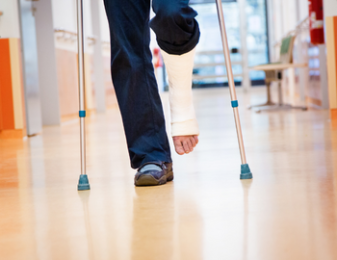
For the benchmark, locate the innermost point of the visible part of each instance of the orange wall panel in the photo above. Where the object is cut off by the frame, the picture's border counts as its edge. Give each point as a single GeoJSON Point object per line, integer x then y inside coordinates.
{"type": "Point", "coordinates": [7, 120]}
{"type": "Point", "coordinates": [331, 43]}
{"type": "Point", "coordinates": [12, 114]}
{"type": "Point", "coordinates": [335, 30]}
{"type": "Point", "coordinates": [17, 84]}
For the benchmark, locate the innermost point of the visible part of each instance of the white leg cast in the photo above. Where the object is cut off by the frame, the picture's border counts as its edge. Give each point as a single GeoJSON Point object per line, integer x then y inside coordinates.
{"type": "Point", "coordinates": [179, 69]}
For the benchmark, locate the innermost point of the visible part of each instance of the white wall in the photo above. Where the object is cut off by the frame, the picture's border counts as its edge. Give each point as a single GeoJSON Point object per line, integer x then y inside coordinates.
{"type": "Point", "coordinates": [283, 17]}
{"type": "Point", "coordinates": [87, 18]}
{"type": "Point", "coordinates": [303, 9]}
{"type": "Point", "coordinates": [9, 21]}
{"type": "Point", "coordinates": [65, 17]}
{"type": "Point", "coordinates": [48, 81]}
{"type": "Point", "coordinates": [64, 14]}
{"type": "Point", "coordinates": [289, 15]}
{"type": "Point", "coordinates": [105, 33]}
{"type": "Point", "coordinates": [330, 8]}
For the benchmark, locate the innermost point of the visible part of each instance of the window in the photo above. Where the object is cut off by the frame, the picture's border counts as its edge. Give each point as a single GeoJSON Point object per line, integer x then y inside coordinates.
{"type": "Point", "coordinates": [209, 49]}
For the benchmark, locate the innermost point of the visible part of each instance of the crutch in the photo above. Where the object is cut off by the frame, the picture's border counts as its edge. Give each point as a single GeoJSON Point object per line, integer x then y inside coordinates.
{"type": "Point", "coordinates": [83, 183]}
{"type": "Point", "coordinates": [245, 170]}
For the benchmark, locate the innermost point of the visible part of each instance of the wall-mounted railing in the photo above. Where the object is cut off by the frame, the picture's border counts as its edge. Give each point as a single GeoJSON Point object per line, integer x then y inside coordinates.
{"type": "Point", "coordinates": [106, 45]}
{"type": "Point", "coordinates": [71, 36]}
{"type": "Point", "coordinates": [301, 27]}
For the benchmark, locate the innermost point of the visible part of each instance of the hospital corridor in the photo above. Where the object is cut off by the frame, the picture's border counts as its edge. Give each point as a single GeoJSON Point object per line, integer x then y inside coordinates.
{"type": "Point", "coordinates": [259, 184]}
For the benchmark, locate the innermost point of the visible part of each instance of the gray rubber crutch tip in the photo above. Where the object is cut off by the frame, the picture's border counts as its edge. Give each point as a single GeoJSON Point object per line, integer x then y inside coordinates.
{"type": "Point", "coordinates": [245, 172]}
{"type": "Point", "coordinates": [83, 183]}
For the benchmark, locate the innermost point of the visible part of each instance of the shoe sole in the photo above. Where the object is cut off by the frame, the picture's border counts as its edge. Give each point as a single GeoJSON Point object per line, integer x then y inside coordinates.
{"type": "Point", "coordinates": [149, 180]}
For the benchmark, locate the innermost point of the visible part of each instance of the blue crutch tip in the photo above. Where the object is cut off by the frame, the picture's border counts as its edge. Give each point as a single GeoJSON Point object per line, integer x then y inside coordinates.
{"type": "Point", "coordinates": [245, 172]}
{"type": "Point", "coordinates": [83, 183]}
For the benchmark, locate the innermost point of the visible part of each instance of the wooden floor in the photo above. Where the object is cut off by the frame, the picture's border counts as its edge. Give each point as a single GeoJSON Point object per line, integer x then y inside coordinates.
{"type": "Point", "coordinates": [288, 211]}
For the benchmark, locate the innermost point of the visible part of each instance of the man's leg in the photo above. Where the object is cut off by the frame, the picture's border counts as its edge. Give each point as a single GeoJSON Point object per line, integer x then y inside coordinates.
{"type": "Point", "coordinates": [177, 34]}
{"type": "Point", "coordinates": [135, 83]}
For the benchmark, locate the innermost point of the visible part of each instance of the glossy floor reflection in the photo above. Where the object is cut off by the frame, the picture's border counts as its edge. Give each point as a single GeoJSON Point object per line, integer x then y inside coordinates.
{"type": "Point", "coordinates": [287, 212]}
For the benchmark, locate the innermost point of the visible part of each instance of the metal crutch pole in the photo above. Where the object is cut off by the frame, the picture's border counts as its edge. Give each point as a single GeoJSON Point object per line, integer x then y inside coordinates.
{"type": "Point", "coordinates": [245, 170]}
{"type": "Point", "coordinates": [83, 183]}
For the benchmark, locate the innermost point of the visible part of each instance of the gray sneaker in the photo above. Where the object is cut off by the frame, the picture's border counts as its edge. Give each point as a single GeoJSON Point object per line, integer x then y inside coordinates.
{"type": "Point", "coordinates": [153, 177]}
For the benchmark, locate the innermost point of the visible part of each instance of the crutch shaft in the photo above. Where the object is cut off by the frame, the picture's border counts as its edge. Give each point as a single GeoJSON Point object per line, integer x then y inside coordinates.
{"type": "Point", "coordinates": [83, 183]}
{"type": "Point", "coordinates": [240, 137]}
{"type": "Point", "coordinates": [80, 45]}
{"type": "Point", "coordinates": [83, 144]}
{"type": "Point", "coordinates": [231, 79]}
{"type": "Point", "coordinates": [226, 50]}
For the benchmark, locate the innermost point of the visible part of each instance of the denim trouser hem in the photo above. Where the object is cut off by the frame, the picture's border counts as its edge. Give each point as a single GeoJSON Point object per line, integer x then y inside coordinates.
{"type": "Point", "coordinates": [181, 49]}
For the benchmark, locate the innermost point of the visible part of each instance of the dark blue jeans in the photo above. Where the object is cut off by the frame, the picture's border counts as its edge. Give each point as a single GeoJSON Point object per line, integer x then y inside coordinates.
{"type": "Point", "coordinates": [132, 71]}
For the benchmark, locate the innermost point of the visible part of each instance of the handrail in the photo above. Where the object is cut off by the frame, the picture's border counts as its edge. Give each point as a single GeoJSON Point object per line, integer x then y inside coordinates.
{"type": "Point", "coordinates": [106, 44]}
{"type": "Point", "coordinates": [199, 77]}
{"type": "Point", "coordinates": [301, 26]}
{"type": "Point", "coordinates": [303, 22]}
{"type": "Point", "coordinates": [72, 36]}
{"type": "Point", "coordinates": [214, 64]}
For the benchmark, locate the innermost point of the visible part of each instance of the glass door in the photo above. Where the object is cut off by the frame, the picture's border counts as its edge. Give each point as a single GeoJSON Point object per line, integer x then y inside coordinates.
{"type": "Point", "coordinates": [209, 68]}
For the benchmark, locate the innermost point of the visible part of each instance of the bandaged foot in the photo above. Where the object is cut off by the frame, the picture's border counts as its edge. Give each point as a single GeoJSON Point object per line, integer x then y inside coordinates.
{"type": "Point", "coordinates": [184, 126]}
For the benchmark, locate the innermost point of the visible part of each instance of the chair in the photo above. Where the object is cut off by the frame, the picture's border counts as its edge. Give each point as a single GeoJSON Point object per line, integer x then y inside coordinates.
{"type": "Point", "coordinates": [274, 73]}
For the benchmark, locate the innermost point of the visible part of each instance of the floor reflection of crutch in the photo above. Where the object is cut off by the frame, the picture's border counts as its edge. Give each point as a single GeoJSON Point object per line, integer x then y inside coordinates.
{"type": "Point", "coordinates": [83, 183]}
{"type": "Point", "coordinates": [245, 171]}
